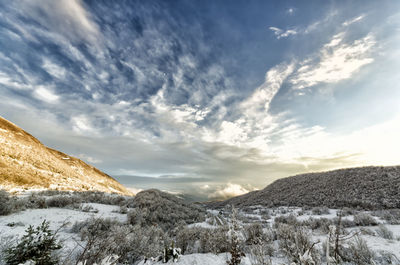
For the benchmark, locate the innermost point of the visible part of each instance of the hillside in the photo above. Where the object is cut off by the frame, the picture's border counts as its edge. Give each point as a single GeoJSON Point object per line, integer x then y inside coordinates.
{"type": "Point", "coordinates": [25, 163]}
{"type": "Point", "coordinates": [365, 187]}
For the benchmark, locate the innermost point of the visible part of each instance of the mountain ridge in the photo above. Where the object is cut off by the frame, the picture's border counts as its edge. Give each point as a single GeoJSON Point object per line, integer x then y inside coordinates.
{"type": "Point", "coordinates": [373, 187]}
{"type": "Point", "coordinates": [26, 164]}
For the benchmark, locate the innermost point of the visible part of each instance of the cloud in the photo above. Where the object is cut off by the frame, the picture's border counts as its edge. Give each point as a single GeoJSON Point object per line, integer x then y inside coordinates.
{"type": "Point", "coordinates": [165, 97]}
{"type": "Point", "coordinates": [81, 125]}
{"type": "Point", "coordinates": [254, 125]}
{"type": "Point", "coordinates": [54, 69]}
{"type": "Point", "coordinates": [351, 21]}
{"type": "Point", "coordinates": [279, 33]}
{"type": "Point", "coordinates": [230, 190]}
{"type": "Point", "coordinates": [45, 94]}
{"type": "Point", "coordinates": [66, 17]}
{"type": "Point", "coordinates": [336, 61]}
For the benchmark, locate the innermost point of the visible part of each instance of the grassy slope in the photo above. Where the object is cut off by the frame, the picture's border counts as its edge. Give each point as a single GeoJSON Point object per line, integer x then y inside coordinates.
{"type": "Point", "coordinates": [26, 163]}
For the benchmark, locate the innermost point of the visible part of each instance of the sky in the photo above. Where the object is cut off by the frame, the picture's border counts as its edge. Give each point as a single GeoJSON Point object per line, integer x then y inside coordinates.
{"type": "Point", "coordinates": [207, 99]}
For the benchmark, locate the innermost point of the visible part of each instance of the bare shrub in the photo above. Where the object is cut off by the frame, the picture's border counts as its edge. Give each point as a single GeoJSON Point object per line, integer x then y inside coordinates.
{"type": "Point", "coordinates": [290, 219]}
{"type": "Point", "coordinates": [254, 233]}
{"type": "Point", "coordinates": [203, 240]}
{"type": "Point", "coordinates": [214, 240]}
{"type": "Point", "coordinates": [320, 210]}
{"type": "Point", "coordinates": [34, 201]}
{"type": "Point", "coordinates": [5, 200]}
{"type": "Point", "coordinates": [359, 253]}
{"type": "Point", "coordinates": [88, 209]}
{"type": "Point", "coordinates": [391, 216]}
{"type": "Point", "coordinates": [259, 244]}
{"type": "Point", "coordinates": [367, 231]}
{"type": "Point", "coordinates": [259, 254]}
{"type": "Point", "coordinates": [295, 242]}
{"type": "Point", "coordinates": [61, 201]}
{"type": "Point", "coordinates": [364, 219]}
{"type": "Point", "coordinates": [345, 211]}
{"type": "Point", "coordinates": [346, 223]}
{"type": "Point", "coordinates": [235, 240]}
{"type": "Point", "coordinates": [386, 258]}
{"type": "Point", "coordinates": [321, 224]}
{"type": "Point", "coordinates": [384, 232]}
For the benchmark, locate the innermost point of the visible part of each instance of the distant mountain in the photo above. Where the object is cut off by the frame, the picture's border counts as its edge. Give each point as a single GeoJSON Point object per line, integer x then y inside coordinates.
{"type": "Point", "coordinates": [364, 187]}
{"type": "Point", "coordinates": [25, 163]}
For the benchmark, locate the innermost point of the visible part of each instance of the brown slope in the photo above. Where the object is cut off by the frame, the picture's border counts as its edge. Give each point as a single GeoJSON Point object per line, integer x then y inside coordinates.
{"type": "Point", "coordinates": [25, 163]}
{"type": "Point", "coordinates": [365, 187]}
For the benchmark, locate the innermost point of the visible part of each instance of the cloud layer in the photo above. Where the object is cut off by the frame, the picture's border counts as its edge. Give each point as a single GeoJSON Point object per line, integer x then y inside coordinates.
{"type": "Point", "coordinates": [206, 103]}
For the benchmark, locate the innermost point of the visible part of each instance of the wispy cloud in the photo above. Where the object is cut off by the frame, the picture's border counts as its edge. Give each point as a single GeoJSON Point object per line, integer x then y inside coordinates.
{"type": "Point", "coordinates": [66, 17]}
{"type": "Point", "coordinates": [279, 33]}
{"type": "Point", "coordinates": [45, 94]}
{"type": "Point", "coordinates": [351, 21]}
{"type": "Point", "coordinates": [337, 60]}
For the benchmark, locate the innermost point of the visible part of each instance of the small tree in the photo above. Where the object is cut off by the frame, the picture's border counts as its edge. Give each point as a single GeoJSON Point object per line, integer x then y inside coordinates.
{"type": "Point", "coordinates": [236, 251]}
{"type": "Point", "coordinates": [37, 245]}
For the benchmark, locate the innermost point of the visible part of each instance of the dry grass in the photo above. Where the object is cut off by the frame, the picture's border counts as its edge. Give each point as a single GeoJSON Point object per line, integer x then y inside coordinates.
{"type": "Point", "coordinates": [26, 163]}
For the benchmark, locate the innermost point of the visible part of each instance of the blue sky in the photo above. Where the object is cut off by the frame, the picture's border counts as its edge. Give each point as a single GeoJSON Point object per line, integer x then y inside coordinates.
{"type": "Point", "coordinates": [207, 98]}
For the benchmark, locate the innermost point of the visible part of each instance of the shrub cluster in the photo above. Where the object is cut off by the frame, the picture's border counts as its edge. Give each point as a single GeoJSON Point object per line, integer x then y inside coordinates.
{"type": "Point", "coordinates": [106, 237]}
{"type": "Point", "coordinates": [60, 199]}
{"type": "Point", "coordinates": [364, 219]}
{"type": "Point", "coordinates": [156, 208]}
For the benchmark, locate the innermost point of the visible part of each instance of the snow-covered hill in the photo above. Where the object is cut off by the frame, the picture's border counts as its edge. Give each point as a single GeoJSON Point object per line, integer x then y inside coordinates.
{"type": "Point", "coordinates": [26, 164]}
{"type": "Point", "coordinates": [365, 187]}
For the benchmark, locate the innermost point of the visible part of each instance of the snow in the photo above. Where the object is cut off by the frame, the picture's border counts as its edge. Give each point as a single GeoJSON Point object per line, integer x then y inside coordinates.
{"type": "Point", "coordinates": [200, 259]}
{"type": "Point", "coordinates": [57, 217]}
{"type": "Point", "coordinates": [202, 225]}
{"type": "Point", "coordinates": [15, 225]}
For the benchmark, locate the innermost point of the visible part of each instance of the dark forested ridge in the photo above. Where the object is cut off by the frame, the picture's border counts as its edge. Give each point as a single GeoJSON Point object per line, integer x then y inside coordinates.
{"type": "Point", "coordinates": [364, 187]}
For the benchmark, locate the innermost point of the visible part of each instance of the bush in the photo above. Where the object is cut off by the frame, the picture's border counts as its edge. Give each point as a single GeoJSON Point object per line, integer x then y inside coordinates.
{"type": "Point", "coordinates": [254, 233]}
{"type": "Point", "coordinates": [214, 240]}
{"type": "Point", "coordinates": [5, 200]}
{"type": "Point", "coordinates": [384, 232]}
{"type": "Point", "coordinates": [321, 224]}
{"type": "Point", "coordinates": [105, 237]}
{"type": "Point", "coordinates": [290, 219]}
{"type": "Point", "coordinates": [345, 211]}
{"type": "Point", "coordinates": [34, 201]}
{"type": "Point", "coordinates": [391, 216]}
{"type": "Point", "coordinates": [153, 207]}
{"type": "Point", "coordinates": [61, 201]}
{"type": "Point", "coordinates": [259, 243]}
{"type": "Point", "coordinates": [320, 210]}
{"type": "Point", "coordinates": [386, 258]}
{"type": "Point", "coordinates": [364, 219]}
{"type": "Point", "coordinates": [359, 253]}
{"type": "Point", "coordinates": [295, 242]}
{"type": "Point", "coordinates": [38, 245]}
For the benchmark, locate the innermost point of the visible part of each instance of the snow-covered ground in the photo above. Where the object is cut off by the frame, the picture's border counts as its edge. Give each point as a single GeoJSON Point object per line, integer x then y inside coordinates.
{"type": "Point", "coordinates": [199, 259]}
{"type": "Point", "coordinates": [14, 225]}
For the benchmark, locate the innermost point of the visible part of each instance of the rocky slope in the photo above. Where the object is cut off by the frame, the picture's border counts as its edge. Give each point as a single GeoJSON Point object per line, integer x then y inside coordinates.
{"type": "Point", "coordinates": [364, 187]}
{"type": "Point", "coordinates": [25, 164]}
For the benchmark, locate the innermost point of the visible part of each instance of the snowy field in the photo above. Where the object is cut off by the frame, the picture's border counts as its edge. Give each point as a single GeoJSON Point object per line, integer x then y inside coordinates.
{"type": "Point", "coordinates": [379, 230]}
